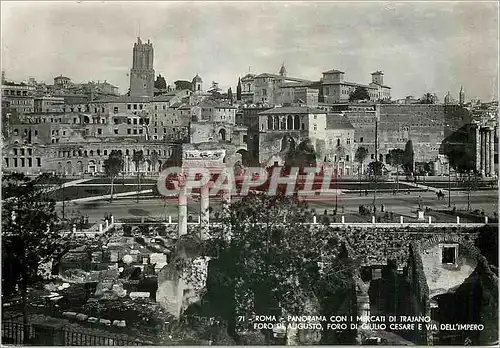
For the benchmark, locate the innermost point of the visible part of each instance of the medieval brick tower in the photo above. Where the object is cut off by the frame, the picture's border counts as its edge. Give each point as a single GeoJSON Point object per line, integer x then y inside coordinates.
{"type": "Point", "coordinates": [142, 74]}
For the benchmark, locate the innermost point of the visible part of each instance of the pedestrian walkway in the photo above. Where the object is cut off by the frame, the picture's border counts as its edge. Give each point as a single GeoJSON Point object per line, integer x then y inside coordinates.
{"type": "Point", "coordinates": [424, 187]}
{"type": "Point", "coordinates": [68, 184]}
{"type": "Point", "coordinates": [98, 198]}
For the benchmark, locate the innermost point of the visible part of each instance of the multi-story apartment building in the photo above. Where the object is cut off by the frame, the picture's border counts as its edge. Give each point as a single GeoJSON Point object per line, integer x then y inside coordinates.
{"type": "Point", "coordinates": [20, 96]}
{"type": "Point", "coordinates": [48, 104]}
{"type": "Point", "coordinates": [247, 87]}
{"type": "Point", "coordinates": [280, 89]}
{"type": "Point", "coordinates": [337, 90]}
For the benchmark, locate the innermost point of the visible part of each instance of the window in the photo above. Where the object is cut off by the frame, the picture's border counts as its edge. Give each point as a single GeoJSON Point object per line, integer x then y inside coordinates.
{"type": "Point", "coordinates": [140, 106]}
{"type": "Point", "coordinates": [135, 131]}
{"type": "Point", "coordinates": [30, 152]}
{"type": "Point", "coordinates": [361, 139]}
{"type": "Point", "coordinates": [38, 162]}
{"type": "Point", "coordinates": [164, 130]}
{"type": "Point", "coordinates": [115, 109]}
{"type": "Point", "coordinates": [129, 131]}
{"type": "Point", "coordinates": [15, 152]}
{"type": "Point", "coordinates": [372, 156]}
{"type": "Point", "coordinates": [129, 106]}
{"type": "Point", "coordinates": [22, 152]}
{"type": "Point", "coordinates": [98, 152]}
{"type": "Point", "coordinates": [135, 106]}
{"type": "Point", "coordinates": [449, 254]}
{"type": "Point", "coordinates": [105, 152]}
{"type": "Point", "coordinates": [348, 141]}
{"type": "Point", "coordinates": [315, 127]}
{"type": "Point", "coordinates": [315, 117]}
{"type": "Point", "coordinates": [6, 161]}
{"type": "Point", "coordinates": [140, 131]}
{"type": "Point", "coordinates": [134, 121]}
{"type": "Point", "coordinates": [99, 131]}
{"type": "Point", "coordinates": [116, 131]}
{"type": "Point", "coordinates": [347, 158]}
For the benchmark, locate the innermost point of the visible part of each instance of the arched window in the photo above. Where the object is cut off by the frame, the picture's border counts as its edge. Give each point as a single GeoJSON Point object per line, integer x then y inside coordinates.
{"type": "Point", "coordinates": [283, 123]}
{"type": "Point", "coordinates": [289, 122]}
{"type": "Point", "coordinates": [296, 122]}
{"type": "Point", "coordinates": [91, 152]}
{"type": "Point", "coordinates": [338, 141]}
{"type": "Point", "coordinates": [276, 123]}
{"type": "Point", "coordinates": [222, 134]}
{"type": "Point", "coordinates": [269, 122]}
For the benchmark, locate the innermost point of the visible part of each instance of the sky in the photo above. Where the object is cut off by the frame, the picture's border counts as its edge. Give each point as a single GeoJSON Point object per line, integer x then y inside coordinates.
{"type": "Point", "coordinates": [420, 46]}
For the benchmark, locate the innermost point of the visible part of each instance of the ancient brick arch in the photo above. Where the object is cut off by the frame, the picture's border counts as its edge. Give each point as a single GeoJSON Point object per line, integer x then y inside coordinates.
{"type": "Point", "coordinates": [466, 245]}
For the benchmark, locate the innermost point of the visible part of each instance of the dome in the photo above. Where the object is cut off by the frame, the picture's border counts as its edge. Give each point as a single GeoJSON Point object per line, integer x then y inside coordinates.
{"type": "Point", "coordinates": [448, 99]}
{"type": "Point", "coordinates": [283, 70]}
{"type": "Point", "coordinates": [197, 78]}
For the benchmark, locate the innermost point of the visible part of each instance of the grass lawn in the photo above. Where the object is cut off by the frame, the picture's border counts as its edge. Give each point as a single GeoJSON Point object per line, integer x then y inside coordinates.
{"type": "Point", "coordinates": [454, 184]}
{"type": "Point", "coordinates": [74, 192]}
{"type": "Point", "coordinates": [120, 181]}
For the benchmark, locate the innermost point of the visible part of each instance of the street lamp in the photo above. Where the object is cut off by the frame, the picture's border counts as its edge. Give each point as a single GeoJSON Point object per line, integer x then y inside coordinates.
{"type": "Point", "coordinates": [449, 186]}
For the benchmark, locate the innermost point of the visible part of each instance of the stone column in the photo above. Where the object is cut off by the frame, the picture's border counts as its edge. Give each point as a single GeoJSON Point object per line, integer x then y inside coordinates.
{"type": "Point", "coordinates": [492, 152]}
{"type": "Point", "coordinates": [182, 223]}
{"type": "Point", "coordinates": [478, 149]}
{"type": "Point", "coordinates": [487, 166]}
{"type": "Point", "coordinates": [483, 153]}
{"type": "Point", "coordinates": [204, 212]}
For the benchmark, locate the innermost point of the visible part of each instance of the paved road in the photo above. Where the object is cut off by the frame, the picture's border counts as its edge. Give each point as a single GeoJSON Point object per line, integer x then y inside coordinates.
{"type": "Point", "coordinates": [402, 203]}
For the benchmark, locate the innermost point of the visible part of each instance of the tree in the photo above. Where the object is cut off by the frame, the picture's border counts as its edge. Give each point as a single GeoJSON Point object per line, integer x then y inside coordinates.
{"type": "Point", "coordinates": [138, 159]}
{"type": "Point", "coordinates": [360, 156]}
{"type": "Point", "coordinates": [181, 84]}
{"type": "Point", "coordinates": [30, 235]}
{"type": "Point", "coordinates": [267, 263]}
{"type": "Point", "coordinates": [160, 82]}
{"type": "Point", "coordinates": [113, 165]}
{"type": "Point", "coordinates": [238, 90]}
{"type": "Point", "coordinates": [215, 90]}
{"type": "Point", "coordinates": [409, 157]}
{"type": "Point", "coordinates": [428, 98]}
{"type": "Point", "coordinates": [154, 158]}
{"type": "Point", "coordinates": [360, 93]}
{"type": "Point", "coordinates": [397, 159]}
{"type": "Point", "coordinates": [462, 157]}
{"type": "Point", "coordinates": [230, 95]}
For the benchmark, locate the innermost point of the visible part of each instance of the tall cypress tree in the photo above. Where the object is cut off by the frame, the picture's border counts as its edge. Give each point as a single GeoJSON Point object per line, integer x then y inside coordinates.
{"type": "Point", "coordinates": [238, 90]}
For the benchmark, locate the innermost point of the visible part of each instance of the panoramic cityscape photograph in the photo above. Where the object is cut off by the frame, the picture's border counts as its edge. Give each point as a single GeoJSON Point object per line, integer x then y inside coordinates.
{"type": "Point", "coordinates": [219, 173]}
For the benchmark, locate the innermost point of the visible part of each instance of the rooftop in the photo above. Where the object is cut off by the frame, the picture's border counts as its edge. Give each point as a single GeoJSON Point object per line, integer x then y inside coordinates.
{"type": "Point", "coordinates": [335, 121]}
{"type": "Point", "coordinates": [287, 78]}
{"type": "Point", "coordinates": [293, 110]}
{"type": "Point", "coordinates": [334, 71]}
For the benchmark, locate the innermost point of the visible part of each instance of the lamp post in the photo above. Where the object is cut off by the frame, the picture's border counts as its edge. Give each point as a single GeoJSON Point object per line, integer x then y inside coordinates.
{"type": "Point", "coordinates": [449, 186]}
{"type": "Point", "coordinates": [375, 166]}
